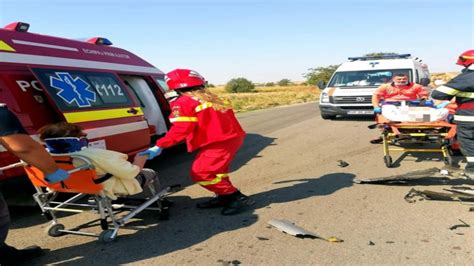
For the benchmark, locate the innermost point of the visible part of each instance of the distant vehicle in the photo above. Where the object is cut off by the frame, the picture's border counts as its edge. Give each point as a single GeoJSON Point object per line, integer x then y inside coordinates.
{"type": "Point", "coordinates": [117, 97]}
{"type": "Point", "coordinates": [349, 91]}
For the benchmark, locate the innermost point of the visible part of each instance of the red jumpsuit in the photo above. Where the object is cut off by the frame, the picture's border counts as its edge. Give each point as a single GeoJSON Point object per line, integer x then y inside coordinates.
{"type": "Point", "coordinates": [217, 134]}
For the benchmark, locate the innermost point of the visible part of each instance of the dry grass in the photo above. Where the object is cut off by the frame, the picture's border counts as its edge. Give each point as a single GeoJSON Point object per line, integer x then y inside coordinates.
{"type": "Point", "coordinates": [265, 97]}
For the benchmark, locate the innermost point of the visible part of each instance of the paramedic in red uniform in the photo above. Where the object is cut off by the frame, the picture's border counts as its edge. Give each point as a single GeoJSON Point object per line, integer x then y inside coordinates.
{"type": "Point", "coordinates": [208, 124]}
{"type": "Point", "coordinates": [398, 90]}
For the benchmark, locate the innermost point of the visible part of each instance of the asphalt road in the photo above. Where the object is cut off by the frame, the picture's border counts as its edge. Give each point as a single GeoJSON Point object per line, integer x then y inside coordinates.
{"type": "Point", "coordinates": [289, 166]}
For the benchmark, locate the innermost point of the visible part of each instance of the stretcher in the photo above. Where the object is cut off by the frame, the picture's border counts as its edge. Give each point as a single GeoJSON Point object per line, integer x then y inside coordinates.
{"type": "Point", "coordinates": [395, 136]}
{"type": "Point", "coordinates": [84, 183]}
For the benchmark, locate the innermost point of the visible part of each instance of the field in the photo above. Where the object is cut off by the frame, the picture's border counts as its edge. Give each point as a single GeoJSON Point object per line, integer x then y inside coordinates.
{"type": "Point", "coordinates": [265, 97]}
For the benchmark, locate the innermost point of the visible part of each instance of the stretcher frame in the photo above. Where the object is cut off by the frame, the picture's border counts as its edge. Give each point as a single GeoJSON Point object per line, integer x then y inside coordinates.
{"type": "Point", "coordinates": [81, 182]}
{"type": "Point", "coordinates": [393, 133]}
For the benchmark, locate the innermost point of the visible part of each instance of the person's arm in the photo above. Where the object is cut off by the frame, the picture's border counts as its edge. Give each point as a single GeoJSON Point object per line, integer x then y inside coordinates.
{"type": "Point", "coordinates": [30, 151]}
{"type": "Point", "coordinates": [422, 93]}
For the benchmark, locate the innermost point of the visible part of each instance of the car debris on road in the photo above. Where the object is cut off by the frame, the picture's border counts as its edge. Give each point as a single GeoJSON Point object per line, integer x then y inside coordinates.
{"type": "Point", "coordinates": [288, 227]}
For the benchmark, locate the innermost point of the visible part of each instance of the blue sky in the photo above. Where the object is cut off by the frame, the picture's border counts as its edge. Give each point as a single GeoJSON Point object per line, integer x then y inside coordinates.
{"type": "Point", "coordinates": [259, 40]}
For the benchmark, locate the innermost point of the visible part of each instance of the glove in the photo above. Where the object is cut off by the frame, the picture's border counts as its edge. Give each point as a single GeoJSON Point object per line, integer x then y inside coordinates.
{"type": "Point", "coordinates": [57, 176]}
{"type": "Point", "coordinates": [151, 152]}
{"type": "Point", "coordinates": [377, 110]}
{"type": "Point", "coordinates": [442, 105]}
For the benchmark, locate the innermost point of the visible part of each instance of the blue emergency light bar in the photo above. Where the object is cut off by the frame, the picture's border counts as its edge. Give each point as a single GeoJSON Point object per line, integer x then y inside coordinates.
{"type": "Point", "coordinates": [99, 41]}
{"type": "Point", "coordinates": [388, 56]}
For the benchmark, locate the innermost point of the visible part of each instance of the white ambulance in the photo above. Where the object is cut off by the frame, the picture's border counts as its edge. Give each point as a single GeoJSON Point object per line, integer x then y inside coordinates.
{"type": "Point", "coordinates": [349, 91]}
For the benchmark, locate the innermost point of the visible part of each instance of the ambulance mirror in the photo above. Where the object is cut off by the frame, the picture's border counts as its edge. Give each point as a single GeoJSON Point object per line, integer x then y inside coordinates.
{"type": "Point", "coordinates": [425, 81]}
{"type": "Point", "coordinates": [321, 85]}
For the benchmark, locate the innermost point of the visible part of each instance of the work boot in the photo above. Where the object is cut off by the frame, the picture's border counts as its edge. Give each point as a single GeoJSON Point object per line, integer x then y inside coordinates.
{"type": "Point", "coordinates": [13, 256]}
{"type": "Point", "coordinates": [239, 202]}
{"type": "Point", "coordinates": [214, 202]}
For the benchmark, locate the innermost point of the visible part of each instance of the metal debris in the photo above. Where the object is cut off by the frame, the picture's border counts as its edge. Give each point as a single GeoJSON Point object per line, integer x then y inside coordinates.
{"type": "Point", "coordinates": [412, 195]}
{"type": "Point", "coordinates": [288, 227]}
{"type": "Point", "coordinates": [456, 226]}
{"type": "Point", "coordinates": [342, 163]}
{"type": "Point", "coordinates": [414, 175]}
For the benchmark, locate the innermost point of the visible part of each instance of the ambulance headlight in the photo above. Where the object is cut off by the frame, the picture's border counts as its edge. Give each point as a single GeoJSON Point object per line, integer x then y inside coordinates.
{"type": "Point", "coordinates": [324, 97]}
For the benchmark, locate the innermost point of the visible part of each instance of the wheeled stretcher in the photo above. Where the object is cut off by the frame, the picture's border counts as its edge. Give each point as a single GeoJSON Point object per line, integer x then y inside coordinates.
{"type": "Point", "coordinates": [395, 136]}
{"type": "Point", "coordinates": [84, 183]}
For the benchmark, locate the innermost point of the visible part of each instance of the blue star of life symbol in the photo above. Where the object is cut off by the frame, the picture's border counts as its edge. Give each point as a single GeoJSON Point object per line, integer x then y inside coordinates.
{"type": "Point", "coordinates": [73, 90]}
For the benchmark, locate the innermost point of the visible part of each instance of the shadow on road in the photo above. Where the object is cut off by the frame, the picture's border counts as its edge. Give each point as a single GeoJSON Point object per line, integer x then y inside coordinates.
{"type": "Point", "coordinates": [188, 226]}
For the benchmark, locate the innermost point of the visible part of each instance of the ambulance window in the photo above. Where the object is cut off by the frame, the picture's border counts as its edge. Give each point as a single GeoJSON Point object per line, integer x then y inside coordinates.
{"type": "Point", "coordinates": [162, 84]}
{"type": "Point", "coordinates": [73, 90]}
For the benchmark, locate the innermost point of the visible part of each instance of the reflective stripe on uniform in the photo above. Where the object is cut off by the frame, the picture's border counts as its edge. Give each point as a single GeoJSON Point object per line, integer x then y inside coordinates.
{"type": "Point", "coordinates": [86, 116]}
{"type": "Point", "coordinates": [464, 118]}
{"type": "Point", "coordinates": [183, 119]}
{"type": "Point", "coordinates": [213, 181]}
{"type": "Point", "coordinates": [202, 107]}
{"type": "Point", "coordinates": [447, 90]}
{"type": "Point", "coordinates": [470, 159]}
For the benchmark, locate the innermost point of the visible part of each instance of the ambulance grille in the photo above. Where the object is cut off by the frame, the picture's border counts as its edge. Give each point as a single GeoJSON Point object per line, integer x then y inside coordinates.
{"type": "Point", "coordinates": [352, 99]}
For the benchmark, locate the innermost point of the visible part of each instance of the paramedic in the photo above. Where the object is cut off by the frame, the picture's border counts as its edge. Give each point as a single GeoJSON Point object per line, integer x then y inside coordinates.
{"type": "Point", "coordinates": [14, 138]}
{"type": "Point", "coordinates": [400, 89]}
{"type": "Point", "coordinates": [462, 87]}
{"type": "Point", "coordinates": [208, 125]}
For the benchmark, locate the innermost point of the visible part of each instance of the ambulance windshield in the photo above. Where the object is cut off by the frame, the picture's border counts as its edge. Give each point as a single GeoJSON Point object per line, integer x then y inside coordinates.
{"type": "Point", "coordinates": [366, 78]}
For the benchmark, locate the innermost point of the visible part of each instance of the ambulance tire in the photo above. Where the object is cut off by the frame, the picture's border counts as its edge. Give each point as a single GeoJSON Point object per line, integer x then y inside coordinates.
{"type": "Point", "coordinates": [327, 117]}
{"type": "Point", "coordinates": [388, 161]}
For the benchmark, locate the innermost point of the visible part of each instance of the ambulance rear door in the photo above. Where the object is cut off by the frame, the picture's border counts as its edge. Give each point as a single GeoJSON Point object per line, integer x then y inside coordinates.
{"type": "Point", "coordinates": [99, 103]}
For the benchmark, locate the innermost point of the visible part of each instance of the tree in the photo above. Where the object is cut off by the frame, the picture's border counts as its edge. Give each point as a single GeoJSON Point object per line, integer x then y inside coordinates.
{"type": "Point", "coordinates": [380, 54]}
{"type": "Point", "coordinates": [284, 82]}
{"type": "Point", "coordinates": [320, 73]}
{"type": "Point", "coordinates": [239, 85]}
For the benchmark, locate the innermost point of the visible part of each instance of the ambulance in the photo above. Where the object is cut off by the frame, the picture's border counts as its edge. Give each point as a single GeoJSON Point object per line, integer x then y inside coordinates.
{"type": "Point", "coordinates": [114, 95]}
{"type": "Point", "coordinates": [350, 89]}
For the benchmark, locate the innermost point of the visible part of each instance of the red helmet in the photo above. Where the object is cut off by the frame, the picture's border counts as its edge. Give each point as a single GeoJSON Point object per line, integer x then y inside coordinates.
{"type": "Point", "coordinates": [184, 78]}
{"type": "Point", "coordinates": [466, 58]}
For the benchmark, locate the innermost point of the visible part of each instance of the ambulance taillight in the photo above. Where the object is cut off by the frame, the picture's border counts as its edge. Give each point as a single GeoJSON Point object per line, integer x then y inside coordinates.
{"type": "Point", "coordinates": [18, 26]}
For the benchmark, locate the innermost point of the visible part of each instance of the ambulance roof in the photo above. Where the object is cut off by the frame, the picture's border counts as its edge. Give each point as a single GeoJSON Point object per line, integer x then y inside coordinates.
{"type": "Point", "coordinates": [41, 50]}
{"type": "Point", "coordinates": [407, 63]}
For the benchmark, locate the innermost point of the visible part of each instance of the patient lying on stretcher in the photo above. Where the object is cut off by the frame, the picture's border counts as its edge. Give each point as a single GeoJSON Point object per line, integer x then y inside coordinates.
{"type": "Point", "coordinates": [412, 111]}
{"type": "Point", "coordinates": [126, 179]}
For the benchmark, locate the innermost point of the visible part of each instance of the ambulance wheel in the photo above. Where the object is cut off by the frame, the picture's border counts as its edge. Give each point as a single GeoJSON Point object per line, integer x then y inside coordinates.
{"type": "Point", "coordinates": [388, 161]}
{"type": "Point", "coordinates": [107, 236]}
{"type": "Point", "coordinates": [54, 230]}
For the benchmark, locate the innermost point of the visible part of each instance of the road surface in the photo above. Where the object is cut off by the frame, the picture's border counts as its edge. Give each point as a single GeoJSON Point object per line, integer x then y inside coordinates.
{"type": "Point", "coordinates": [289, 166]}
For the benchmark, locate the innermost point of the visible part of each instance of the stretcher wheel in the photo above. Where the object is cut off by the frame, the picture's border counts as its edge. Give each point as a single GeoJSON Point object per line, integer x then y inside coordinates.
{"type": "Point", "coordinates": [388, 160]}
{"type": "Point", "coordinates": [55, 230]}
{"type": "Point", "coordinates": [448, 160]}
{"type": "Point", "coordinates": [107, 236]}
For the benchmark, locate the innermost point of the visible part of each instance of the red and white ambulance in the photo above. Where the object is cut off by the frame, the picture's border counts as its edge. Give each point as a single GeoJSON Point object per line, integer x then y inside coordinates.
{"type": "Point", "coordinates": [117, 97]}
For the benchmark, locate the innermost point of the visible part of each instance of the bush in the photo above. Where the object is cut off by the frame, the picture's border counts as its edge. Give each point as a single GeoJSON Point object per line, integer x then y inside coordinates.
{"type": "Point", "coordinates": [269, 84]}
{"type": "Point", "coordinates": [284, 82]}
{"type": "Point", "coordinates": [239, 85]}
